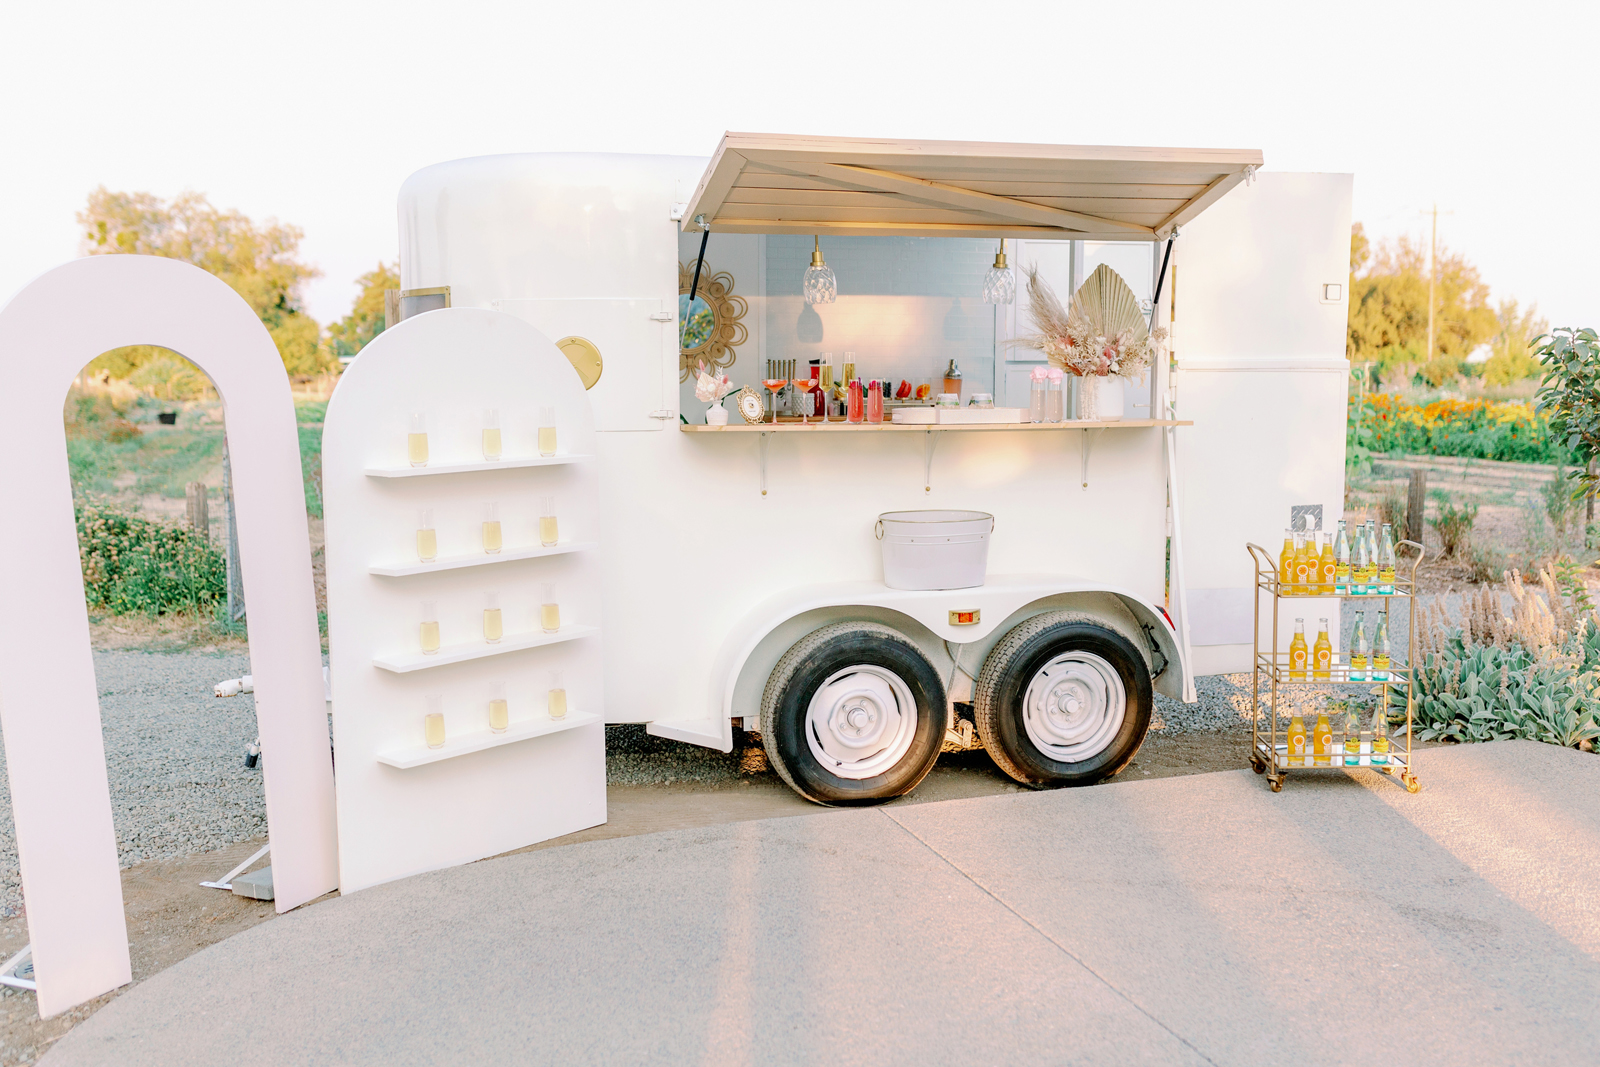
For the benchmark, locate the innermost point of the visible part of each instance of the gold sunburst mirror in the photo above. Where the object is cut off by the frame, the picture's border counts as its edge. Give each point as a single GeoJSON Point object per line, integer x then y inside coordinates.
{"type": "Point", "coordinates": [708, 329]}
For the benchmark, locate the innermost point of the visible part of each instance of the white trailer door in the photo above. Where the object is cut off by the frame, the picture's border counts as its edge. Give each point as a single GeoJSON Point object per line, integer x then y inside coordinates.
{"type": "Point", "coordinates": [637, 339]}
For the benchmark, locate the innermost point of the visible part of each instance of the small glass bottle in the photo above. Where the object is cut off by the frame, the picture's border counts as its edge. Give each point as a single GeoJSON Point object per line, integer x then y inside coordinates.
{"type": "Point", "coordinates": [1341, 561]}
{"type": "Point", "coordinates": [1380, 734]}
{"type": "Point", "coordinates": [1322, 741]}
{"type": "Point", "coordinates": [427, 536]}
{"type": "Point", "coordinates": [875, 402]}
{"type": "Point", "coordinates": [549, 610]}
{"type": "Point", "coordinates": [491, 434]}
{"type": "Point", "coordinates": [1359, 564]}
{"type": "Point", "coordinates": [493, 625]}
{"type": "Point", "coordinates": [1054, 392]}
{"type": "Point", "coordinates": [1297, 652]}
{"type": "Point", "coordinates": [1352, 739]}
{"type": "Point", "coordinates": [1386, 560]}
{"type": "Point", "coordinates": [952, 380]}
{"type": "Point", "coordinates": [428, 632]}
{"type": "Point", "coordinates": [1380, 650]}
{"type": "Point", "coordinates": [1358, 648]}
{"type": "Point", "coordinates": [1286, 565]}
{"type": "Point", "coordinates": [1302, 565]}
{"type": "Point", "coordinates": [499, 718]}
{"type": "Point", "coordinates": [433, 721]}
{"type": "Point", "coordinates": [1372, 556]}
{"type": "Point", "coordinates": [556, 699]}
{"type": "Point", "coordinates": [549, 530]}
{"type": "Point", "coordinates": [1322, 655]}
{"type": "Point", "coordinates": [1038, 385]}
{"type": "Point", "coordinates": [1327, 565]}
{"type": "Point", "coordinates": [417, 440]}
{"type": "Point", "coordinates": [491, 528]}
{"type": "Point", "coordinates": [1296, 747]}
{"type": "Point", "coordinates": [547, 431]}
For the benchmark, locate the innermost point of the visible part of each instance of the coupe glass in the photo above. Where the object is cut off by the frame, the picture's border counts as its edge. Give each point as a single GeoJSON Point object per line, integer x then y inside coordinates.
{"type": "Point", "coordinates": [775, 386]}
{"type": "Point", "coordinates": [805, 385]}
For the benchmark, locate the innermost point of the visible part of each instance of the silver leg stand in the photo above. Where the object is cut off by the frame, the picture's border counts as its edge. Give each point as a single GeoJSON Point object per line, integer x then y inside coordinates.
{"type": "Point", "coordinates": [226, 881]}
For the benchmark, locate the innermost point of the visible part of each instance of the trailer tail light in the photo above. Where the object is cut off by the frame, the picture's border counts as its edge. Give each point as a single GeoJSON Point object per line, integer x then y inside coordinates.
{"type": "Point", "coordinates": [965, 618]}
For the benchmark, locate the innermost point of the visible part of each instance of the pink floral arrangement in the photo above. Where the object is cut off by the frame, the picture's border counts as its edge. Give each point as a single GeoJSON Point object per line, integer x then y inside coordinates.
{"type": "Point", "coordinates": [1079, 343]}
{"type": "Point", "coordinates": [709, 387]}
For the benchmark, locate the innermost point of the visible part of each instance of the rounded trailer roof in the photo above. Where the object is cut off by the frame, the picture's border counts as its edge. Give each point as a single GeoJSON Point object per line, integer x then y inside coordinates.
{"type": "Point", "coordinates": [843, 186]}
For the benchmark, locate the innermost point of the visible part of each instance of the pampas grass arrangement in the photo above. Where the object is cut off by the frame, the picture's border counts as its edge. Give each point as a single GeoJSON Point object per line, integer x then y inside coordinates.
{"type": "Point", "coordinates": [1102, 333]}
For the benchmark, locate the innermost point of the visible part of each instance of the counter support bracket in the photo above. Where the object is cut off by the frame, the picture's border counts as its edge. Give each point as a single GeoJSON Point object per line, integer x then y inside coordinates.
{"type": "Point", "coordinates": [1084, 450]}
{"type": "Point", "coordinates": [764, 440]}
{"type": "Point", "coordinates": [930, 440]}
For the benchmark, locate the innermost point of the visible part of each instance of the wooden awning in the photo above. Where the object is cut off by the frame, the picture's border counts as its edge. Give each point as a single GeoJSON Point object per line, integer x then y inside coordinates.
{"type": "Point", "coordinates": [844, 186]}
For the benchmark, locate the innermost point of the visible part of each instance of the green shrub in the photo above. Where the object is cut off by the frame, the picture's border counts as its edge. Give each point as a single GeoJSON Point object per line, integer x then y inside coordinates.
{"type": "Point", "coordinates": [1454, 525]}
{"type": "Point", "coordinates": [136, 565]}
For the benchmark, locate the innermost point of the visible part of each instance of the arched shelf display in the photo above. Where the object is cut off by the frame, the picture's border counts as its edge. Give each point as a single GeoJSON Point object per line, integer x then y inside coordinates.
{"type": "Point", "coordinates": [405, 807]}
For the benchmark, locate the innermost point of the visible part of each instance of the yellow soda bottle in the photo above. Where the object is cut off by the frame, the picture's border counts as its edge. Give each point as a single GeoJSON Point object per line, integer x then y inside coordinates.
{"type": "Point", "coordinates": [1302, 565]}
{"type": "Point", "coordinates": [1328, 565]}
{"type": "Point", "coordinates": [1297, 652]}
{"type": "Point", "coordinates": [1341, 565]}
{"type": "Point", "coordinates": [1297, 741]}
{"type": "Point", "coordinates": [1286, 565]}
{"type": "Point", "coordinates": [1322, 741]}
{"type": "Point", "coordinates": [1358, 650]}
{"type": "Point", "coordinates": [1322, 655]}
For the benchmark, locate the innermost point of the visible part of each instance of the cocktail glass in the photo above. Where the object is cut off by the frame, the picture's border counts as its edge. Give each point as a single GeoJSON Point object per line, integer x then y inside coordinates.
{"type": "Point", "coordinates": [805, 385]}
{"type": "Point", "coordinates": [775, 386]}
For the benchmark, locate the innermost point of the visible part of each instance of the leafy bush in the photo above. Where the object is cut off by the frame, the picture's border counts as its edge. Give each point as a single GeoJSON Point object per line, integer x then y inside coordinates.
{"type": "Point", "coordinates": [1534, 676]}
{"type": "Point", "coordinates": [1454, 525]}
{"type": "Point", "coordinates": [136, 565]}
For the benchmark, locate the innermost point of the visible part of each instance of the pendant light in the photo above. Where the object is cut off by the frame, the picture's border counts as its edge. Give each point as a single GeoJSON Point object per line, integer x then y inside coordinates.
{"type": "Point", "coordinates": [999, 285]}
{"type": "Point", "coordinates": [820, 286]}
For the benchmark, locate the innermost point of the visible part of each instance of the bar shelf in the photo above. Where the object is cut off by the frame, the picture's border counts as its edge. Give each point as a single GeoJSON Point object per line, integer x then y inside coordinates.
{"type": "Point", "coordinates": [405, 662]}
{"type": "Point", "coordinates": [479, 559]}
{"type": "Point", "coordinates": [506, 463]}
{"type": "Point", "coordinates": [1270, 670]}
{"type": "Point", "coordinates": [482, 740]}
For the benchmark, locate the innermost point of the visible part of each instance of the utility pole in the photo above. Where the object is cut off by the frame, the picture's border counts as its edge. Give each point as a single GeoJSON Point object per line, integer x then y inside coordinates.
{"type": "Point", "coordinates": [1433, 270]}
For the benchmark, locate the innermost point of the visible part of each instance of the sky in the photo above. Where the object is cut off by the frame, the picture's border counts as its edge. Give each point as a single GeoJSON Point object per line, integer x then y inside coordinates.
{"type": "Point", "coordinates": [315, 112]}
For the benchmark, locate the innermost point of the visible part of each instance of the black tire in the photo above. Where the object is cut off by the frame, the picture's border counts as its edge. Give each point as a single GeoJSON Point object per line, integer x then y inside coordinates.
{"type": "Point", "coordinates": [806, 667]}
{"type": "Point", "coordinates": [1003, 683]}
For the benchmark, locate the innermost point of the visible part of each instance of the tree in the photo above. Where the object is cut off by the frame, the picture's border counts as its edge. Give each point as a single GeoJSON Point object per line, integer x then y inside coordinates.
{"type": "Point", "coordinates": [1389, 309]}
{"type": "Point", "coordinates": [1513, 358]}
{"type": "Point", "coordinates": [1571, 396]}
{"type": "Point", "coordinates": [260, 263]}
{"type": "Point", "coordinates": [366, 319]}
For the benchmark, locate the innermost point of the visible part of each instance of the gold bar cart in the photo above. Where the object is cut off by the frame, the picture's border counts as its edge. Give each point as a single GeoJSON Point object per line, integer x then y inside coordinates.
{"type": "Point", "coordinates": [1271, 757]}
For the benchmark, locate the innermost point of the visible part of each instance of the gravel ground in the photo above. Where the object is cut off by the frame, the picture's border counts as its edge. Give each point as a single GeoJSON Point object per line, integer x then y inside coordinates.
{"type": "Point", "coordinates": [174, 759]}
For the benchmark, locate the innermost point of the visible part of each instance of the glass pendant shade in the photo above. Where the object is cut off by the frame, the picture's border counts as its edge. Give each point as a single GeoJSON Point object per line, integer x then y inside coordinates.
{"type": "Point", "coordinates": [1000, 284]}
{"type": "Point", "coordinates": [819, 286]}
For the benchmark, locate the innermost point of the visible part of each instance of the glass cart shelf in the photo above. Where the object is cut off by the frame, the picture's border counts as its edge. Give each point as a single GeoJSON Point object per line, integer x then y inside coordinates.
{"type": "Point", "coordinates": [406, 662]}
{"type": "Point", "coordinates": [478, 740]}
{"type": "Point", "coordinates": [1268, 755]}
{"type": "Point", "coordinates": [505, 463]}
{"type": "Point", "coordinates": [479, 559]}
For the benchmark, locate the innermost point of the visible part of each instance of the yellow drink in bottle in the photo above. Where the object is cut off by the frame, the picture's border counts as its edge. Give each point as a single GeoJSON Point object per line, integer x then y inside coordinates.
{"type": "Point", "coordinates": [1322, 655]}
{"type": "Point", "coordinates": [1297, 652]}
{"type": "Point", "coordinates": [1297, 742]}
{"type": "Point", "coordinates": [1322, 741]}
{"type": "Point", "coordinates": [1302, 567]}
{"type": "Point", "coordinates": [1286, 564]}
{"type": "Point", "coordinates": [1328, 566]}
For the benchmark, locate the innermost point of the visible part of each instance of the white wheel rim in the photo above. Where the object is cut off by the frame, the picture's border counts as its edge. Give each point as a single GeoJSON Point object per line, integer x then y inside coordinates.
{"type": "Point", "coordinates": [861, 721]}
{"type": "Point", "coordinates": [1074, 707]}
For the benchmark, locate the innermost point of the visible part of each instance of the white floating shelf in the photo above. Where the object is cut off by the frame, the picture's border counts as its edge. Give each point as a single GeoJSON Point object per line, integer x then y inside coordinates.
{"type": "Point", "coordinates": [478, 740]}
{"type": "Point", "coordinates": [506, 463]}
{"type": "Point", "coordinates": [416, 661]}
{"type": "Point", "coordinates": [479, 559]}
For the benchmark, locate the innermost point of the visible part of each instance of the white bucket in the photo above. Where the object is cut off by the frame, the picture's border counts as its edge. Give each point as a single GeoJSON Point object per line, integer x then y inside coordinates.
{"type": "Point", "coordinates": [934, 549]}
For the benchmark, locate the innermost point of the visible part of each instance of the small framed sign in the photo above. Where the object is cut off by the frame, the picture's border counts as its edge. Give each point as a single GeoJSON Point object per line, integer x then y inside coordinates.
{"type": "Point", "coordinates": [750, 406]}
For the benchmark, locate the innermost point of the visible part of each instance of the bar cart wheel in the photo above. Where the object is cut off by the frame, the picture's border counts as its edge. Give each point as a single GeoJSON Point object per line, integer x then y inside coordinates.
{"type": "Point", "coordinates": [1412, 785]}
{"type": "Point", "coordinates": [1258, 765]}
{"type": "Point", "coordinates": [1276, 783]}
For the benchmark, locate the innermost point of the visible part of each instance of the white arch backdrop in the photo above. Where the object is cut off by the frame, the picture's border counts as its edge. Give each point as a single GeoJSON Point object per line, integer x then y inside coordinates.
{"type": "Point", "coordinates": [49, 707]}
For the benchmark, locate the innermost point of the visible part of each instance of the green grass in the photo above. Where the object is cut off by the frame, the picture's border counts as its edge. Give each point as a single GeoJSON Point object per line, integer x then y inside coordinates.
{"type": "Point", "coordinates": [309, 415]}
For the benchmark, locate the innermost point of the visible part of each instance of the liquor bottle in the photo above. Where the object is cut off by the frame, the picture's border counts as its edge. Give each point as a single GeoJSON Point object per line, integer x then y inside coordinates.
{"type": "Point", "coordinates": [1386, 560]}
{"type": "Point", "coordinates": [1358, 565]}
{"type": "Point", "coordinates": [1322, 741]}
{"type": "Point", "coordinates": [1358, 649]}
{"type": "Point", "coordinates": [1341, 565]}
{"type": "Point", "coordinates": [1380, 735]}
{"type": "Point", "coordinates": [1286, 565]}
{"type": "Point", "coordinates": [1328, 565]}
{"type": "Point", "coordinates": [952, 379]}
{"type": "Point", "coordinates": [1297, 741]}
{"type": "Point", "coordinates": [1380, 650]}
{"type": "Point", "coordinates": [1297, 652]}
{"type": "Point", "coordinates": [1322, 655]}
{"type": "Point", "coordinates": [1352, 739]}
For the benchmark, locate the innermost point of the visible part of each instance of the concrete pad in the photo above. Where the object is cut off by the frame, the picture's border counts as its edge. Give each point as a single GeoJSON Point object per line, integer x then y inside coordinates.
{"type": "Point", "coordinates": [1183, 920]}
{"type": "Point", "coordinates": [1338, 920]}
